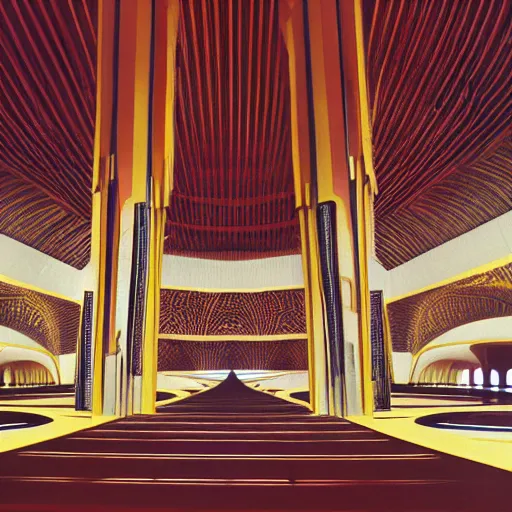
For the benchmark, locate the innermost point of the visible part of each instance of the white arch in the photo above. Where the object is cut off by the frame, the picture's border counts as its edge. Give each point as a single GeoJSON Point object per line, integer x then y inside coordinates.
{"type": "Point", "coordinates": [13, 337]}
{"type": "Point", "coordinates": [490, 329]}
{"type": "Point", "coordinates": [27, 265]}
{"type": "Point", "coordinates": [10, 354]}
{"type": "Point", "coordinates": [460, 352]}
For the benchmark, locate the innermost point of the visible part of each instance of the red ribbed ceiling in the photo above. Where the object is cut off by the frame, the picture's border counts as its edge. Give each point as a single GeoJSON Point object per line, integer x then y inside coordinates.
{"type": "Point", "coordinates": [440, 79]}
{"type": "Point", "coordinates": [233, 194]}
{"type": "Point", "coordinates": [48, 87]}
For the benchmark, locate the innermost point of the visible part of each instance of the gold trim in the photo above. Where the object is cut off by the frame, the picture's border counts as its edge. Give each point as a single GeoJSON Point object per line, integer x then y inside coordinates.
{"type": "Point", "coordinates": [231, 337]}
{"type": "Point", "coordinates": [15, 282]}
{"type": "Point", "coordinates": [364, 110]}
{"type": "Point", "coordinates": [233, 290]}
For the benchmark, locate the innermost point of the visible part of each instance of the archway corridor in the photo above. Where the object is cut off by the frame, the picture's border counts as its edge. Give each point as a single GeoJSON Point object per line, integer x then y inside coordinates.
{"type": "Point", "coordinates": [234, 448]}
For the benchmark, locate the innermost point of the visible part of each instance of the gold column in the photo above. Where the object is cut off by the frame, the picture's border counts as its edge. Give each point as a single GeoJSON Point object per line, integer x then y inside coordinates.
{"type": "Point", "coordinates": [165, 35]}
{"type": "Point", "coordinates": [343, 174]}
{"type": "Point", "coordinates": [101, 176]}
{"type": "Point", "coordinates": [292, 26]}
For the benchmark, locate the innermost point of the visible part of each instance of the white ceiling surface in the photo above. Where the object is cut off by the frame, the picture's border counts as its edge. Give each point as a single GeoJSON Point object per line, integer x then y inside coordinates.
{"type": "Point", "coordinates": [26, 265]}
{"type": "Point", "coordinates": [16, 354]}
{"type": "Point", "coordinates": [482, 330]}
{"type": "Point", "coordinates": [485, 244]}
{"type": "Point", "coordinates": [277, 272]}
{"type": "Point", "coordinates": [497, 329]}
{"type": "Point", "coordinates": [17, 338]}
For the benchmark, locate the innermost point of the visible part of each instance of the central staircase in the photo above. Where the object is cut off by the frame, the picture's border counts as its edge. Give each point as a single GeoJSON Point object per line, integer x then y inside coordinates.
{"type": "Point", "coordinates": [235, 448]}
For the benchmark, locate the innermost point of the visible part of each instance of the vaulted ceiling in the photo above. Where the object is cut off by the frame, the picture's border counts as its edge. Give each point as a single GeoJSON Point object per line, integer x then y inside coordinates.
{"type": "Point", "coordinates": [48, 88]}
{"type": "Point", "coordinates": [439, 77]}
{"type": "Point", "coordinates": [440, 83]}
{"type": "Point", "coordinates": [233, 194]}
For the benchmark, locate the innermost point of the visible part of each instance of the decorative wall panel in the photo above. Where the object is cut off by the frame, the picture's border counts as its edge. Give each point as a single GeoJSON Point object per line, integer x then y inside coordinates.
{"type": "Point", "coordinates": [231, 313]}
{"type": "Point", "coordinates": [177, 355]}
{"type": "Point", "coordinates": [440, 96]}
{"type": "Point", "coordinates": [380, 357]}
{"type": "Point", "coordinates": [233, 195]}
{"type": "Point", "coordinates": [48, 81]}
{"type": "Point", "coordinates": [420, 318]}
{"type": "Point", "coordinates": [51, 321]}
{"type": "Point", "coordinates": [326, 221]}
{"type": "Point", "coordinates": [137, 300]}
{"type": "Point", "coordinates": [83, 387]}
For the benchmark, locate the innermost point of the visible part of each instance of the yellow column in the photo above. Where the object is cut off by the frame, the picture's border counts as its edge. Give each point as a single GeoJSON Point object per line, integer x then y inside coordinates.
{"type": "Point", "coordinates": [361, 155]}
{"type": "Point", "coordinates": [291, 20]}
{"type": "Point", "coordinates": [165, 36]}
{"type": "Point", "coordinates": [101, 176]}
{"type": "Point", "coordinates": [342, 148]}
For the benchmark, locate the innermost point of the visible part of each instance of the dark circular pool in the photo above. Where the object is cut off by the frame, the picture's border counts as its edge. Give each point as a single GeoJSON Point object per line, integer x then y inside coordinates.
{"type": "Point", "coordinates": [484, 421]}
{"type": "Point", "coordinates": [15, 420]}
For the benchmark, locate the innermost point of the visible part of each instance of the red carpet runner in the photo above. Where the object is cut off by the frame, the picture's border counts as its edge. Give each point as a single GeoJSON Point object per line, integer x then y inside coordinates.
{"type": "Point", "coordinates": [234, 448]}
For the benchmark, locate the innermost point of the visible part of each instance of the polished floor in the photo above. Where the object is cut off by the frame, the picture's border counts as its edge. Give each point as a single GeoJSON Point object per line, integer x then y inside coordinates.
{"type": "Point", "coordinates": [234, 448]}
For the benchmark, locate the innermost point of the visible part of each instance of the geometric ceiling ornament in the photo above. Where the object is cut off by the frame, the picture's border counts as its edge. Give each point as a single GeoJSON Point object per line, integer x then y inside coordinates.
{"type": "Point", "coordinates": [233, 195]}
{"type": "Point", "coordinates": [50, 321]}
{"type": "Point", "coordinates": [48, 86]}
{"type": "Point", "coordinates": [440, 86]}
{"type": "Point", "coordinates": [418, 319]}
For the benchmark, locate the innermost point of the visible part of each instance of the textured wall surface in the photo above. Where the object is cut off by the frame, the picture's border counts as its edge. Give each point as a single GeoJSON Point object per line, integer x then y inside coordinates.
{"type": "Point", "coordinates": [51, 321]}
{"type": "Point", "coordinates": [177, 355]}
{"type": "Point", "coordinates": [221, 314]}
{"type": "Point", "coordinates": [420, 318]}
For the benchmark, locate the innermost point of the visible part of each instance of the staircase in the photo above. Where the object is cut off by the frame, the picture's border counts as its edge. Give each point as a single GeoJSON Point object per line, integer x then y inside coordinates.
{"type": "Point", "coordinates": [235, 448]}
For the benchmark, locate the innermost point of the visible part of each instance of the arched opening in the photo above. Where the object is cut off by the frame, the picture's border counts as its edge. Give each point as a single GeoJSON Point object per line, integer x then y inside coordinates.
{"type": "Point", "coordinates": [508, 378]}
{"type": "Point", "coordinates": [495, 378]}
{"type": "Point", "coordinates": [478, 377]}
{"type": "Point", "coordinates": [464, 377]}
{"type": "Point", "coordinates": [25, 373]}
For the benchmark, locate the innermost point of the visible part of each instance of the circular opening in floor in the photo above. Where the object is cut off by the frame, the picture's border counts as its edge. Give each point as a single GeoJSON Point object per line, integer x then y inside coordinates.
{"type": "Point", "coordinates": [16, 420]}
{"type": "Point", "coordinates": [485, 421]}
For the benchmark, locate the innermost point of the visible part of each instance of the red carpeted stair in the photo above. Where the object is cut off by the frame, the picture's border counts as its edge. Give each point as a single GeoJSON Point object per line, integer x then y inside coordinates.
{"type": "Point", "coordinates": [234, 448]}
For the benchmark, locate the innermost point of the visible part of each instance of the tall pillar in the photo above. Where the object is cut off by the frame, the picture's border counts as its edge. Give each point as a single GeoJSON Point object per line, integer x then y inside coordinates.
{"type": "Point", "coordinates": [131, 193]}
{"type": "Point", "coordinates": [334, 187]}
{"type": "Point", "coordinates": [103, 245]}
{"type": "Point", "coordinates": [486, 371]}
{"type": "Point", "coordinates": [292, 26]}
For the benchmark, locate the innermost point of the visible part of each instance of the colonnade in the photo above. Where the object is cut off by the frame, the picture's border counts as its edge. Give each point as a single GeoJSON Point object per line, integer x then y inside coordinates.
{"type": "Point", "coordinates": [132, 182]}
{"type": "Point", "coordinates": [25, 373]}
